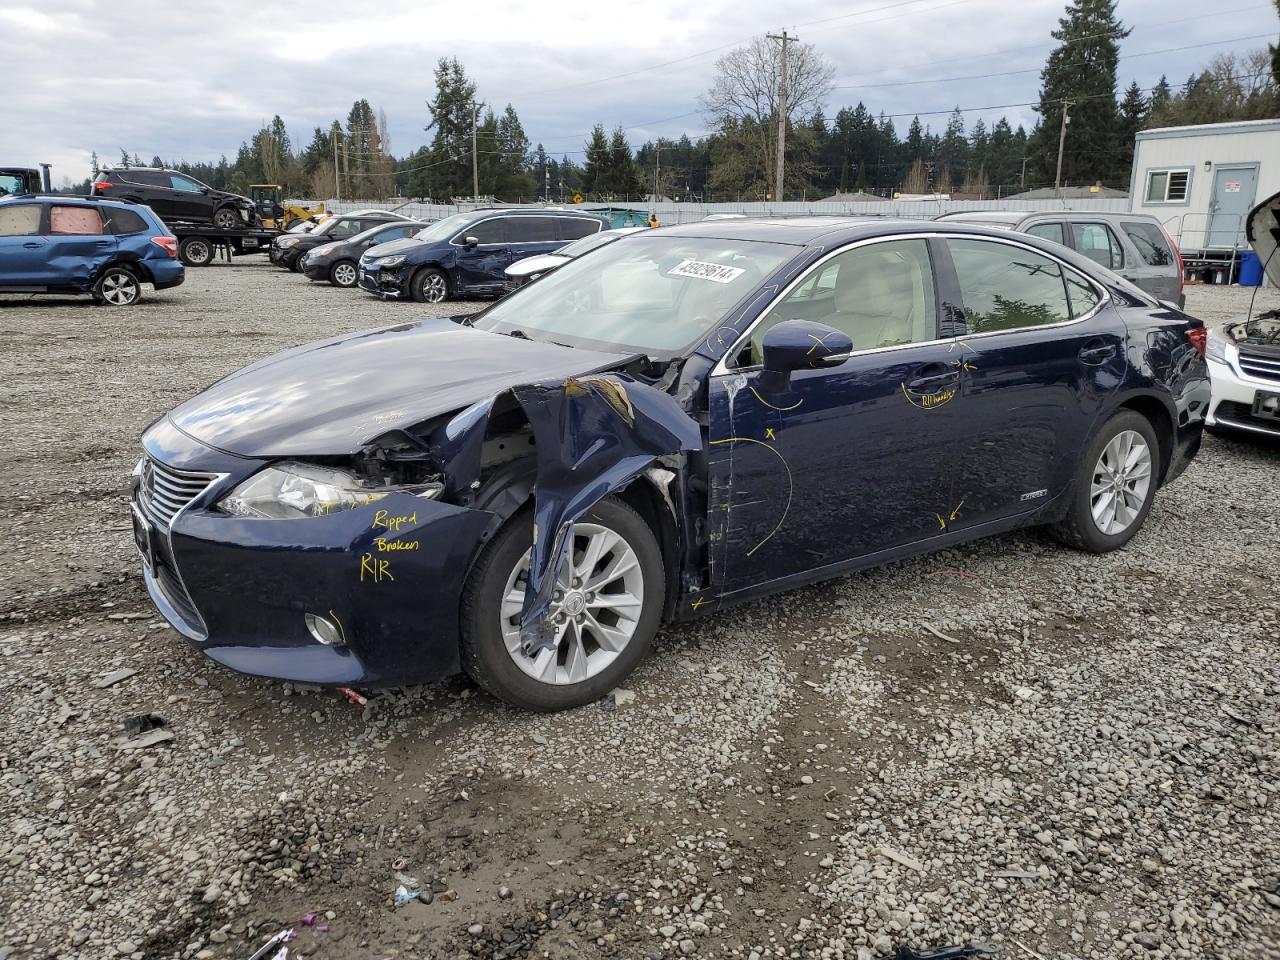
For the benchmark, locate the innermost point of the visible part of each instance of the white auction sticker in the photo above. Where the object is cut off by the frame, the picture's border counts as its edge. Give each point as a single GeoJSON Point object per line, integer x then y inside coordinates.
{"type": "Point", "coordinates": [701, 270]}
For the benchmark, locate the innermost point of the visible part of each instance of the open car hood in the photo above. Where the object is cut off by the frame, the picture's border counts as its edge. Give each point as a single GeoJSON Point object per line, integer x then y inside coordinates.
{"type": "Point", "coordinates": [1263, 231]}
{"type": "Point", "coordinates": [333, 397]}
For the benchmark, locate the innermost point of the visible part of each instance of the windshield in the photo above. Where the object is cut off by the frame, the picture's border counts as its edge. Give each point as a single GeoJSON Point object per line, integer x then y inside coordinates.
{"type": "Point", "coordinates": [446, 228]}
{"type": "Point", "coordinates": [653, 294]}
{"type": "Point", "coordinates": [579, 247]}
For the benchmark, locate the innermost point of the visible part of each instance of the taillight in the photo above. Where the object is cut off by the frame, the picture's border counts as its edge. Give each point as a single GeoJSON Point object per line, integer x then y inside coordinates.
{"type": "Point", "coordinates": [1177, 255]}
{"type": "Point", "coordinates": [170, 245]}
{"type": "Point", "coordinates": [102, 185]}
{"type": "Point", "coordinates": [1197, 337]}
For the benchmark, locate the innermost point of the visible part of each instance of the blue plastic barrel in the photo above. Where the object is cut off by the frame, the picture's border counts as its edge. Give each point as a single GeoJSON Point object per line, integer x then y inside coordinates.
{"type": "Point", "coordinates": [1250, 270]}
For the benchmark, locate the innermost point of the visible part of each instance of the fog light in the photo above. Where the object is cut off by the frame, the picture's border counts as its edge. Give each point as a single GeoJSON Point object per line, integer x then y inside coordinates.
{"type": "Point", "coordinates": [326, 631]}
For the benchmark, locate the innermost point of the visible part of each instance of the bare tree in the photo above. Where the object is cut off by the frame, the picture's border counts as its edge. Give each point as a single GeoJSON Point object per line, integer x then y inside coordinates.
{"type": "Point", "coordinates": [743, 99]}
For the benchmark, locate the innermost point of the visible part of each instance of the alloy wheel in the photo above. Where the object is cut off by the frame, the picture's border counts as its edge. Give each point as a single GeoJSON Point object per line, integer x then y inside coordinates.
{"type": "Point", "coordinates": [1121, 482]}
{"type": "Point", "coordinates": [119, 289]}
{"type": "Point", "coordinates": [226, 219]}
{"type": "Point", "coordinates": [344, 275]}
{"type": "Point", "coordinates": [596, 608]}
{"type": "Point", "coordinates": [434, 288]}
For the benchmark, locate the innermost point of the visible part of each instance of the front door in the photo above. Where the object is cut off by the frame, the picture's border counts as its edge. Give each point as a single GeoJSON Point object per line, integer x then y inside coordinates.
{"type": "Point", "coordinates": [480, 266]}
{"type": "Point", "coordinates": [1233, 189]}
{"type": "Point", "coordinates": [1041, 354]}
{"type": "Point", "coordinates": [846, 461]}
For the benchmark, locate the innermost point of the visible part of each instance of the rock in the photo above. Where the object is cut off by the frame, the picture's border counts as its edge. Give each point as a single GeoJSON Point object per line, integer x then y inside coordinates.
{"type": "Point", "coordinates": [687, 947]}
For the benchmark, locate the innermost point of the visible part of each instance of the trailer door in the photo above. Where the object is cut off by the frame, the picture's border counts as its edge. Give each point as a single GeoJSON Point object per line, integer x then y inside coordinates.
{"type": "Point", "coordinates": [1233, 189]}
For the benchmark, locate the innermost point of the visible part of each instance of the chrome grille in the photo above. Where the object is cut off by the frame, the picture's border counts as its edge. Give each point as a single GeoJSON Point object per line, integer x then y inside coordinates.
{"type": "Point", "coordinates": [1257, 366]}
{"type": "Point", "coordinates": [164, 491]}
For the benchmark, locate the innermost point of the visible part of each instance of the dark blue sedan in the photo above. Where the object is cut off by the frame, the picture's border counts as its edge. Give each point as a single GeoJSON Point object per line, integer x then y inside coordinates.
{"type": "Point", "coordinates": [697, 416]}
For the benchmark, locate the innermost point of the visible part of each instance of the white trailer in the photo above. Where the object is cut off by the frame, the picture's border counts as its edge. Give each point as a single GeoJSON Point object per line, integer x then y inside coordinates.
{"type": "Point", "coordinates": [1201, 182]}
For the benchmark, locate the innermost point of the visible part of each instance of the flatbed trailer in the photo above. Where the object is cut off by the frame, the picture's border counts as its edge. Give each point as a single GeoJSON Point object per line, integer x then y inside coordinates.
{"type": "Point", "coordinates": [199, 244]}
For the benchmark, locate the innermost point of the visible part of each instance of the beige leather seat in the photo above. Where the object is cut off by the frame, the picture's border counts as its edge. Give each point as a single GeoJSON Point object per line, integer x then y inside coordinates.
{"type": "Point", "coordinates": [875, 298]}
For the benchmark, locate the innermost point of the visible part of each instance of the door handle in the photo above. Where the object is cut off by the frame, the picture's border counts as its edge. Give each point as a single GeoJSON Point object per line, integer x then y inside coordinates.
{"type": "Point", "coordinates": [32, 245]}
{"type": "Point", "coordinates": [102, 243]}
{"type": "Point", "coordinates": [933, 376]}
{"type": "Point", "coordinates": [1096, 352]}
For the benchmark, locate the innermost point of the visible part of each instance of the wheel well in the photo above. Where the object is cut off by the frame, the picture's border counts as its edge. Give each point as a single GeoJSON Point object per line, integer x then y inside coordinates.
{"type": "Point", "coordinates": [140, 272]}
{"type": "Point", "coordinates": [1160, 421]}
{"type": "Point", "coordinates": [643, 496]}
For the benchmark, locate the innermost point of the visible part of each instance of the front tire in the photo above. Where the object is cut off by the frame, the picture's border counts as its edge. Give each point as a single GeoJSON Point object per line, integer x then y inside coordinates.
{"type": "Point", "coordinates": [430, 286]}
{"type": "Point", "coordinates": [1114, 487]}
{"type": "Point", "coordinates": [609, 607]}
{"type": "Point", "coordinates": [343, 274]}
{"type": "Point", "coordinates": [227, 218]}
{"type": "Point", "coordinates": [117, 287]}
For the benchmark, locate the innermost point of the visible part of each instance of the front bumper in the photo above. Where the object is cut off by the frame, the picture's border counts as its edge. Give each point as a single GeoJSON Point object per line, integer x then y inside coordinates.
{"type": "Point", "coordinates": [314, 269]}
{"type": "Point", "coordinates": [285, 256]}
{"type": "Point", "coordinates": [383, 282]}
{"type": "Point", "coordinates": [240, 588]}
{"type": "Point", "coordinates": [1234, 397]}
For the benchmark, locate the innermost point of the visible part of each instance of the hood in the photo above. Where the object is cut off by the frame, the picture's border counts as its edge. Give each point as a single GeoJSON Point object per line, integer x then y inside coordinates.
{"type": "Point", "coordinates": [403, 245]}
{"type": "Point", "coordinates": [540, 263]}
{"type": "Point", "coordinates": [1263, 231]}
{"type": "Point", "coordinates": [331, 398]}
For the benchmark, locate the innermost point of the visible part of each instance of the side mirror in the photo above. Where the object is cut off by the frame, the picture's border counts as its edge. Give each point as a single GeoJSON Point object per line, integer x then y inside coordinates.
{"type": "Point", "coordinates": [804, 345]}
{"type": "Point", "coordinates": [470, 243]}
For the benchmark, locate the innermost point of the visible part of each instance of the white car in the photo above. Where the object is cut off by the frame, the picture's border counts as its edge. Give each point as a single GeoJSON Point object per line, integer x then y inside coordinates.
{"type": "Point", "coordinates": [531, 268]}
{"type": "Point", "coordinates": [1244, 353]}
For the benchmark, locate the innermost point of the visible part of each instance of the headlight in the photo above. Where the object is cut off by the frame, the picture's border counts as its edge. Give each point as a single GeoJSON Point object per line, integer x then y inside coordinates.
{"type": "Point", "coordinates": [288, 241]}
{"type": "Point", "coordinates": [393, 261]}
{"type": "Point", "coordinates": [1218, 348]}
{"type": "Point", "coordinates": [291, 490]}
{"type": "Point", "coordinates": [323, 249]}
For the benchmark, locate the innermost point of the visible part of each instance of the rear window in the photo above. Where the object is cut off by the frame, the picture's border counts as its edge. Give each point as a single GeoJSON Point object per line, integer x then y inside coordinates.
{"type": "Point", "coordinates": [574, 228]}
{"type": "Point", "coordinates": [74, 221]}
{"type": "Point", "coordinates": [1098, 243]}
{"type": "Point", "coordinates": [1150, 241]}
{"type": "Point", "coordinates": [1048, 231]}
{"type": "Point", "coordinates": [20, 220]}
{"type": "Point", "coordinates": [121, 222]}
{"type": "Point", "coordinates": [531, 229]}
{"type": "Point", "coordinates": [1005, 287]}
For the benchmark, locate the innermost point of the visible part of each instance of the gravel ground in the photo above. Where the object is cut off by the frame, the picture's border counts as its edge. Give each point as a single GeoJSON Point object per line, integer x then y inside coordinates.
{"type": "Point", "coordinates": [1086, 766]}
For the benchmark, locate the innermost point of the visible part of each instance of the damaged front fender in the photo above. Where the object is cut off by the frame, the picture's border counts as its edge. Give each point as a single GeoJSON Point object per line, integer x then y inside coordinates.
{"type": "Point", "coordinates": [593, 434]}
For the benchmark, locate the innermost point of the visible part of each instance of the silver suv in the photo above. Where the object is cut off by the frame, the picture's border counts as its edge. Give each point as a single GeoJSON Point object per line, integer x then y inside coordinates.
{"type": "Point", "coordinates": [1134, 245]}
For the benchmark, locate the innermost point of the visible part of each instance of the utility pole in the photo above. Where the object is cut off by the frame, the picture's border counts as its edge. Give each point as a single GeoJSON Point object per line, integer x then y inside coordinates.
{"type": "Point", "coordinates": [1024, 172]}
{"type": "Point", "coordinates": [657, 154]}
{"type": "Point", "coordinates": [475, 163]}
{"type": "Point", "coordinates": [782, 116]}
{"type": "Point", "coordinates": [1062, 139]}
{"type": "Point", "coordinates": [337, 184]}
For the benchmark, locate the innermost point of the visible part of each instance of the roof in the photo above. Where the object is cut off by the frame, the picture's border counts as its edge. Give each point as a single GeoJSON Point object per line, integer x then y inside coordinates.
{"type": "Point", "coordinates": [989, 217]}
{"type": "Point", "coordinates": [67, 198]}
{"type": "Point", "coordinates": [798, 230]}
{"type": "Point", "coordinates": [1210, 129]}
{"type": "Point", "coordinates": [1069, 193]}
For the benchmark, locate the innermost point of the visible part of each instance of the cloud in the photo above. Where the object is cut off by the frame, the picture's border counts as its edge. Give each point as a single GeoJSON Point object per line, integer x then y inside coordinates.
{"type": "Point", "coordinates": [193, 80]}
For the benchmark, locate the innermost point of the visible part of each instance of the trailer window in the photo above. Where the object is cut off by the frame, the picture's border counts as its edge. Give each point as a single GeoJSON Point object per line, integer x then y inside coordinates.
{"type": "Point", "coordinates": [1167, 186]}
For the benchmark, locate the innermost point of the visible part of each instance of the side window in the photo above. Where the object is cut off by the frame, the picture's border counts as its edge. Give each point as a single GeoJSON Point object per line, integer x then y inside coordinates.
{"type": "Point", "coordinates": [487, 231]}
{"type": "Point", "coordinates": [531, 229]}
{"type": "Point", "coordinates": [1048, 231]}
{"type": "Point", "coordinates": [880, 294]}
{"type": "Point", "coordinates": [19, 221]}
{"type": "Point", "coordinates": [183, 184]}
{"type": "Point", "coordinates": [575, 228]}
{"type": "Point", "coordinates": [399, 233]}
{"type": "Point", "coordinates": [1098, 243]}
{"type": "Point", "coordinates": [1006, 287]}
{"type": "Point", "coordinates": [121, 222]}
{"type": "Point", "coordinates": [1149, 241]}
{"type": "Point", "coordinates": [1082, 294]}
{"type": "Point", "coordinates": [74, 221]}
{"type": "Point", "coordinates": [370, 224]}
{"type": "Point", "coordinates": [344, 229]}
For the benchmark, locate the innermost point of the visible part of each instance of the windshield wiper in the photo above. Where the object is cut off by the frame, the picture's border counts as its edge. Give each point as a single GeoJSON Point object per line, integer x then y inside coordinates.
{"type": "Point", "coordinates": [518, 334]}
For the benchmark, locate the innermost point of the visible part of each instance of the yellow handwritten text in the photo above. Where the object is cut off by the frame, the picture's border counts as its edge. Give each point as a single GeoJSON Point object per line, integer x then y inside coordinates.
{"type": "Point", "coordinates": [384, 519]}
{"type": "Point", "coordinates": [384, 545]}
{"type": "Point", "coordinates": [373, 569]}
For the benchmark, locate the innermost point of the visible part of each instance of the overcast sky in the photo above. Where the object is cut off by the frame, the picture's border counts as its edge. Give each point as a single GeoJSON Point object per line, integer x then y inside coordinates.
{"type": "Point", "coordinates": [192, 80]}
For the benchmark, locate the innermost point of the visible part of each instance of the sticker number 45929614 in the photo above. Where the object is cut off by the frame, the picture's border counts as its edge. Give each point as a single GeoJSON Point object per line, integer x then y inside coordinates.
{"type": "Point", "coordinates": [701, 270]}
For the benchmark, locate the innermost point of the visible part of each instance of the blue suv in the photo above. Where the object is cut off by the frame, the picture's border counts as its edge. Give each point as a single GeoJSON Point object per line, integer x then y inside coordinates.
{"type": "Point", "coordinates": [105, 248]}
{"type": "Point", "coordinates": [468, 253]}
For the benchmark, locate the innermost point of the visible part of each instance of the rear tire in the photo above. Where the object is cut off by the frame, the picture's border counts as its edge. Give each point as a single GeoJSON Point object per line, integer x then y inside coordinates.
{"type": "Point", "coordinates": [227, 218]}
{"type": "Point", "coordinates": [196, 252]}
{"type": "Point", "coordinates": [490, 612]}
{"type": "Point", "coordinates": [117, 287]}
{"type": "Point", "coordinates": [343, 274]}
{"type": "Point", "coordinates": [1115, 485]}
{"type": "Point", "coordinates": [429, 285]}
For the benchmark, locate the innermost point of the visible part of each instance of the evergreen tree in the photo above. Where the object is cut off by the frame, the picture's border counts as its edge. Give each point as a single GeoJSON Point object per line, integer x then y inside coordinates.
{"type": "Point", "coordinates": [1133, 114]}
{"type": "Point", "coordinates": [953, 152]}
{"type": "Point", "coordinates": [1082, 69]}
{"type": "Point", "coordinates": [1158, 106]}
{"type": "Point", "coordinates": [624, 179]}
{"type": "Point", "coordinates": [915, 141]}
{"type": "Point", "coordinates": [451, 118]}
{"type": "Point", "coordinates": [595, 172]}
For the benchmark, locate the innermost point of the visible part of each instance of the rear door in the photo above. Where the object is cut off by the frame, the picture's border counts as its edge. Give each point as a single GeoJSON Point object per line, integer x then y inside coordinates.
{"type": "Point", "coordinates": [480, 267]}
{"type": "Point", "coordinates": [1151, 263]}
{"type": "Point", "coordinates": [24, 254]}
{"type": "Point", "coordinates": [79, 245]}
{"type": "Point", "coordinates": [529, 236]}
{"type": "Point", "coordinates": [154, 189]}
{"type": "Point", "coordinates": [1098, 242]}
{"type": "Point", "coordinates": [1041, 352]}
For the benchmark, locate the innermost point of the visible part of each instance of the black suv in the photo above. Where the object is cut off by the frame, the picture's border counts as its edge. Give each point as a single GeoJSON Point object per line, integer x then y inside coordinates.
{"type": "Point", "coordinates": [176, 197]}
{"type": "Point", "coordinates": [467, 253]}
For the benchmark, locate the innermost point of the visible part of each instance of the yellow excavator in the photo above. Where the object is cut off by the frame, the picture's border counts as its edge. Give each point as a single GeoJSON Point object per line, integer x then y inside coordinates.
{"type": "Point", "coordinates": [268, 198]}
